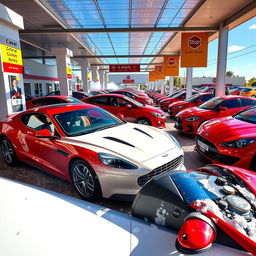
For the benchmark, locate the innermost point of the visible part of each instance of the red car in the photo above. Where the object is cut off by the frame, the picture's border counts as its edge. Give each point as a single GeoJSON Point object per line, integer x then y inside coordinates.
{"type": "Point", "coordinates": [131, 110]}
{"type": "Point", "coordinates": [192, 101]}
{"type": "Point", "coordinates": [164, 104]}
{"type": "Point", "coordinates": [230, 140]}
{"type": "Point", "coordinates": [142, 99]}
{"type": "Point", "coordinates": [50, 100]}
{"type": "Point", "coordinates": [188, 120]}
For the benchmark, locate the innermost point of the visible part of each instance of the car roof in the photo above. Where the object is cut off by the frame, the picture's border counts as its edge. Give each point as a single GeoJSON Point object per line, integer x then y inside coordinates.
{"type": "Point", "coordinates": [235, 97]}
{"type": "Point", "coordinates": [59, 108]}
{"type": "Point", "coordinates": [107, 94]}
{"type": "Point", "coordinates": [51, 97]}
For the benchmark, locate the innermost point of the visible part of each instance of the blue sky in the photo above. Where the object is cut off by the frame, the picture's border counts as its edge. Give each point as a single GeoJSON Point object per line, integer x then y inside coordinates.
{"type": "Point", "coordinates": [241, 53]}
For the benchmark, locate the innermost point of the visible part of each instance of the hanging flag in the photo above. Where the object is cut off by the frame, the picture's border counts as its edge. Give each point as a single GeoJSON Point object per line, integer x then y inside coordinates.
{"type": "Point", "coordinates": [159, 72]}
{"type": "Point", "coordinates": [171, 65]}
{"type": "Point", "coordinates": [152, 76]}
{"type": "Point", "coordinates": [194, 49]}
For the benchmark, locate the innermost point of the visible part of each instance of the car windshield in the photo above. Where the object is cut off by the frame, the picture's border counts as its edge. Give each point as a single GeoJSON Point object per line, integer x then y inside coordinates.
{"type": "Point", "coordinates": [246, 90]}
{"type": "Point", "coordinates": [135, 102]}
{"type": "Point", "coordinates": [247, 116]}
{"type": "Point", "coordinates": [192, 98]}
{"type": "Point", "coordinates": [73, 100]}
{"type": "Point", "coordinates": [178, 95]}
{"type": "Point", "coordinates": [84, 121]}
{"type": "Point", "coordinates": [211, 104]}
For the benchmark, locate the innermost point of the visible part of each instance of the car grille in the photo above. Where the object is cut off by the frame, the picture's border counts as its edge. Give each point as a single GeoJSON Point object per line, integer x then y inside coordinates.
{"type": "Point", "coordinates": [212, 149]}
{"type": "Point", "coordinates": [172, 165]}
{"type": "Point", "coordinates": [178, 123]}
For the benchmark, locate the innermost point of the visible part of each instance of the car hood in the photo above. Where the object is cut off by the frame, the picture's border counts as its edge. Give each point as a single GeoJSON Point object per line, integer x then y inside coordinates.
{"type": "Point", "coordinates": [227, 128]}
{"type": "Point", "coordinates": [194, 111]}
{"type": "Point", "coordinates": [153, 109]}
{"type": "Point", "coordinates": [178, 103]}
{"type": "Point", "coordinates": [135, 142]}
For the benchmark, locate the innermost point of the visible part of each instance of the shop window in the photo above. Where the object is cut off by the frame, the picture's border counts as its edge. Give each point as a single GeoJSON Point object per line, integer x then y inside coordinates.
{"type": "Point", "coordinates": [38, 90]}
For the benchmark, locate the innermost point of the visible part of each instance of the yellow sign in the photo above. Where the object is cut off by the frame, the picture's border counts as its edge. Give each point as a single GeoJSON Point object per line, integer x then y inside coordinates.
{"type": "Point", "coordinates": [11, 55]}
{"type": "Point", "coordinates": [171, 65]}
{"type": "Point", "coordinates": [194, 49]}
{"type": "Point", "coordinates": [159, 72]}
{"type": "Point", "coordinates": [89, 76]}
{"type": "Point", "coordinates": [69, 72]}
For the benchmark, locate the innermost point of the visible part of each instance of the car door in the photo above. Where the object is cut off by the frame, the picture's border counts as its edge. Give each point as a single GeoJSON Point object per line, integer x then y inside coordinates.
{"type": "Point", "coordinates": [45, 153]}
{"type": "Point", "coordinates": [233, 106]}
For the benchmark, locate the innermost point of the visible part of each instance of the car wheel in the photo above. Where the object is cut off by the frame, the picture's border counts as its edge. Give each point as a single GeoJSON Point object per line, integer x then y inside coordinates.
{"type": "Point", "coordinates": [144, 121]}
{"type": "Point", "coordinates": [253, 164]}
{"type": "Point", "coordinates": [8, 152]}
{"type": "Point", "coordinates": [85, 180]}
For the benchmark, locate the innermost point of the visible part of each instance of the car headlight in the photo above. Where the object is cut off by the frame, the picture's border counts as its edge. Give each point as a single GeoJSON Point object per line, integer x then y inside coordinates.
{"type": "Point", "coordinates": [116, 162]}
{"type": "Point", "coordinates": [241, 143]}
{"type": "Point", "coordinates": [178, 107]}
{"type": "Point", "coordinates": [192, 118]}
{"type": "Point", "coordinates": [173, 139]}
{"type": "Point", "coordinates": [156, 114]}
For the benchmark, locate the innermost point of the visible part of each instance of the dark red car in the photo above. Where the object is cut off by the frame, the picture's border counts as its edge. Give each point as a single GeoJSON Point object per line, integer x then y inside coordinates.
{"type": "Point", "coordinates": [192, 101]}
{"type": "Point", "coordinates": [164, 104]}
{"type": "Point", "coordinates": [131, 110]}
{"type": "Point", "coordinates": [188, 120]}
{"type": "Point", "coordinates": [230, 140]}
{"type": "Point", "coordinates": [142, 99]}
{"type": "Point", "coordinates": [51, 100]}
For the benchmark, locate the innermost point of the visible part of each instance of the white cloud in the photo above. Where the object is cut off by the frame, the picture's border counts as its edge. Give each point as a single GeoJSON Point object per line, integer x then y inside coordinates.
{"type": "Point", "coordinates": [252, 26]}
{"type": "Point", "coordinates": [249, 65]}
{"type": "Point", "coordinates": [235, 48]}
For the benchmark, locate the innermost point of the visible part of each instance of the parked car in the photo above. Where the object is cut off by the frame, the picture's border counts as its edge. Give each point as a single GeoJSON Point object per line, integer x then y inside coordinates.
{"type": "Point", "coordinates": [192, 101]}
{"type": "Point", "coordinates": [164, 104]}
{"type": "Point", "coordinates": [91, 148]}
{"type": "Point", "coordinates": [236, 91]}
{"type": "Point", "coordinates": [51, 100]}
{"type": "Point", "coordinates": [130, 110]}
{"type": "Point", "coordinates": [76, 94]}
{"type": "Point", "coordinates": [230, 140]}
{"type": "Point", "coordinates": [188, 227]}
{"type": "Point", "coordinates": [142, 99]}
{"type": "Point", "coordinates": [188, 120]}
{"type": "Point", "coordinates": [28, 97]}
{"type": "Point", "coordinates": [248, 91]}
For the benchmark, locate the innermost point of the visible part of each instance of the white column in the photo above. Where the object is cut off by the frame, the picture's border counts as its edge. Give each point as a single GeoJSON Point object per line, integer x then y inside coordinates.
{"type": "Point", "coordinates": [12, 94]}
{"type": "Point", "coordinates": [189, 75]}
{"type": "Point", "coordinates": [171, 82]}
{"type": "Point", "coordinates": [63, 69]}
{"type": "Point", "coordinates": [101, 74]}
{"type": "Point", "coordinates": [94, 70]}
{"type": "Point", "coordinates": [222, 61]}
{"type": "Point", "coordinates": [105, 80]}
{"type": "Point", "coordinates": [84, 64]}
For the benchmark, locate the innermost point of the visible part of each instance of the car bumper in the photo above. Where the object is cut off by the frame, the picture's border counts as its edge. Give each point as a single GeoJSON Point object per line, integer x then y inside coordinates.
{"type": "Point", "coordinates": [221, 155]}
{"type": "Point", "coordinates": [126, 183]}
{"type": "Point", "coordinates": [186, 127]}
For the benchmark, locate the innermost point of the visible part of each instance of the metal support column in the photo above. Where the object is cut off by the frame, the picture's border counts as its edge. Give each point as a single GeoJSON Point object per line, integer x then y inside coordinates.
{"type": "Point", "coordinates": [189, 75]}
{"type": "Point", "coordinates": [171, 83]}
{"type": "Point", "coordinates": [222, 61]}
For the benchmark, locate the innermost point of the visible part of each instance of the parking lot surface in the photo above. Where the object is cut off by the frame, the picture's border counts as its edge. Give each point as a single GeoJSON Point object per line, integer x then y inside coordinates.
{"type": "Point", "coordinates": [31, 175]}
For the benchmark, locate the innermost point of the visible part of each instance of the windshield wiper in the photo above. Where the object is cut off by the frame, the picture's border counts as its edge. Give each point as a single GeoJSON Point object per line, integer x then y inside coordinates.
{"type": "Point", "coordinates": [106, 127]}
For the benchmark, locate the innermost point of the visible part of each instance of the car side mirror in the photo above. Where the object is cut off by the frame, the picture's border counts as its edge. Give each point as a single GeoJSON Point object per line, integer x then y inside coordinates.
{"type": "Point", "coordinates": [129, 106]}
{"type": "Point", "coordinates": [121, 116]}
{"type": "Point", "coordinates": [223, 108]}
{"type": "Point", "coordinates": [45, 133]}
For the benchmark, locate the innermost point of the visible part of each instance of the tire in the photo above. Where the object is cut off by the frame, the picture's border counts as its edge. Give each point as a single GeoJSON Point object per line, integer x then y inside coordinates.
{"type": "Point", "coordinates": [144, 121]}
{"type": "Point", "coordinates": [7, 152]}
{"type": "Point", "coordinates": [252, 166]}
{"type": "Point", "coordinates": [85, 180]}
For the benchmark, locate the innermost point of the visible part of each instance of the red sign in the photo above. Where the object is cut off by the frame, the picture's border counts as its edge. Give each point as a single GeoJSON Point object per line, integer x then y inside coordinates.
{"type": "Point", "coordinates": [124, 68]}
{"type": "Point", "coordinates": [12, 68]}
{"type": "Point", "coordinates": [171, 61]}
{"type": "Point", "coordinates": [128, 81]}
{"type": "Point", "coordinates": [194, 42]}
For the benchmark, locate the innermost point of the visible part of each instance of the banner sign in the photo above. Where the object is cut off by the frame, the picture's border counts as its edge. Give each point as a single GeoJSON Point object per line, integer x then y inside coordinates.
{"type": "Point", "coordinates": [124, 68]}
{"type": "Point", "coordinates": [152, 76]}
{"type": "Point", "coordinates": [194, 49]}
{"type": "Point", "coordinates": [159, 72]}
{"type": "Point", "coordinates": [11, 59]}
{"type": "Point", "coordinates": [171, 65]}
{"type": "Point", "coordinates": [128, 81]}
{"type": "Point", "coordinates": [69, 72]}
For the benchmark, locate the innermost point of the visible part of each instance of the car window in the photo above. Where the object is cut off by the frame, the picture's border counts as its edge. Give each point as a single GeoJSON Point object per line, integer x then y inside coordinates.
{"type": "Point", "coordinates": [247, 116]}
{"type": "Point", "coordinates": [246, 89]}
{"type": "Point", "coordinates": [99, 100]}
{"type": "Point", "coordinates": [206, 97]}
{"type": "Point", "coordinates": [248, 102]}
{"type": "Point", "coordinates": [37, 122]}
{"type": "Point", "coordinates": [211, 104]}
{"type": "Point", "coordinates": [231, 103]}
{"type": "Point", "coordinates": [40, 102]}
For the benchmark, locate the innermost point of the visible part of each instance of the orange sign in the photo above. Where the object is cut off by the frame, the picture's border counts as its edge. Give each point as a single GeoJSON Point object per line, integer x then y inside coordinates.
{"type": "Point", "coordinates": [194, 49]}
{"type": "Point", "coordinates": [159, 72]}
{"type": "Point", "coordinates": [171, 65]}
{"type": "Point", "coordinates": [152, 76]}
